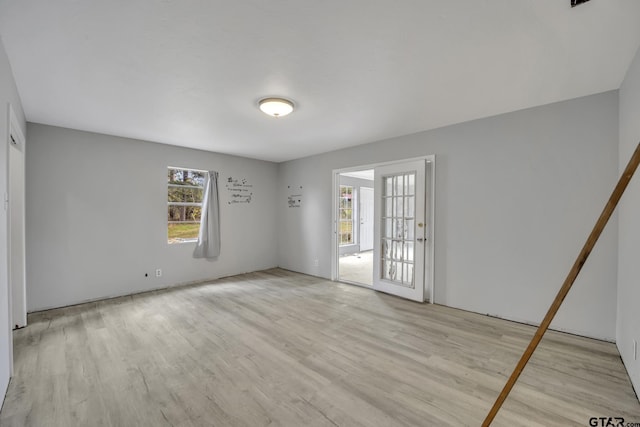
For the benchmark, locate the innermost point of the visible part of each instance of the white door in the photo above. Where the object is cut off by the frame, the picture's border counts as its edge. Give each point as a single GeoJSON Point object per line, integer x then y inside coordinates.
{"type": "Point", "coordinates": [366, 218]}
{"type": "Point", "coordinates": [400, 230]}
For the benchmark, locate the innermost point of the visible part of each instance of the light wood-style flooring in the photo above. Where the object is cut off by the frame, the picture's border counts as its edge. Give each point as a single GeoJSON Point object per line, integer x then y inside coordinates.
{"type": "Point", "coordinates": [276, 348]}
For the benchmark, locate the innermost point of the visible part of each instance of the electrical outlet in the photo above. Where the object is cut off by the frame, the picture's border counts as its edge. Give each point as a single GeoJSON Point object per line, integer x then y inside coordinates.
{"type": "Point", "coordinates": [158, 272]}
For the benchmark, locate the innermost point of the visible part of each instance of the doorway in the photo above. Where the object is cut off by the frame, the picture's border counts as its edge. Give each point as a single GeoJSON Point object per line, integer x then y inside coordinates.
{"type": "Point", "coordinates": [355, 227]}
{"type": "Point", "coordinates": [390, 247]}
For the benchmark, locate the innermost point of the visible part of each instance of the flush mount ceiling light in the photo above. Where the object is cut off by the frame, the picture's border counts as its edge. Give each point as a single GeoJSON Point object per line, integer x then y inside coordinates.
{"type": "Point", "coordinates": [276, 107]}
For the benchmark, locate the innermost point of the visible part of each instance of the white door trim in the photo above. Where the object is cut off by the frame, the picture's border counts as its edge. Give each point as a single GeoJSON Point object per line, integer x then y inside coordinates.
{"type": "Point", "coordinates": [431, 232]}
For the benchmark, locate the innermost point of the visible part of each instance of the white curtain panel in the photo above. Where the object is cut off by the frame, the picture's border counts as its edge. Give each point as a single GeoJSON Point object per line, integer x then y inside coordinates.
{"type": "Point", "coordinates": [208, 245]}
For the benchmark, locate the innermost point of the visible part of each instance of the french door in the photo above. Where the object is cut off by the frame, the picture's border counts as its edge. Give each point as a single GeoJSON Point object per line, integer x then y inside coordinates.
{"type": "Point", "coordinates": [400, 230]}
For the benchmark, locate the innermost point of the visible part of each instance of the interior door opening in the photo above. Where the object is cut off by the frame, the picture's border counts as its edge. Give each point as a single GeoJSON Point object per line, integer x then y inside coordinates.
{"type": "Point", "coordinates": [383, 227]}
{"type": "Point", "coordinates": [355, 227]}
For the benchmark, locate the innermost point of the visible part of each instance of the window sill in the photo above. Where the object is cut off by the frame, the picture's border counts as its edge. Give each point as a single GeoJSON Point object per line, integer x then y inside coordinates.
{"type": "Point", "coordinates": [180, 241]}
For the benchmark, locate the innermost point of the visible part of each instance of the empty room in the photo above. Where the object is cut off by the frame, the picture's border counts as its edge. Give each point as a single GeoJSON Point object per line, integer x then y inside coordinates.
{"type": "Point", "coordinates": [329, 213]}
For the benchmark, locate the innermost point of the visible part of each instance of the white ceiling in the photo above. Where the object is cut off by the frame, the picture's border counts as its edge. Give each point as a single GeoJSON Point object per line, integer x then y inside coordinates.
{"type": "Point", "coordinates": [190, 72]}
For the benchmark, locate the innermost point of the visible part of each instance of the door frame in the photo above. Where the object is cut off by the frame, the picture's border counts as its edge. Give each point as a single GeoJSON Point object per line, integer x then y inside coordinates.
{"type": "Point", "coordinates": [430, 187]}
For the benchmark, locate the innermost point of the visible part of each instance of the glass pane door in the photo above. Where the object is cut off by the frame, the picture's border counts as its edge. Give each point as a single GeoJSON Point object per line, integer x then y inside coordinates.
{"type": "Point", "coordinates": [398, 228]}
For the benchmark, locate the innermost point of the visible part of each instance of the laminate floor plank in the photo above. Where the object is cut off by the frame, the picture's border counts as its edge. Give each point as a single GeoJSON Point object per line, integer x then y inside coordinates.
{"type": "Point", "coordinates": [276, 348]}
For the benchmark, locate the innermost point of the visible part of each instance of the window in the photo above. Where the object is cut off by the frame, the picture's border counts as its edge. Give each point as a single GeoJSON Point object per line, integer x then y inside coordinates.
{"type": "Point", "coordinates": [346, 215]}
{"type": "Point", "coordinates": [185, 188]}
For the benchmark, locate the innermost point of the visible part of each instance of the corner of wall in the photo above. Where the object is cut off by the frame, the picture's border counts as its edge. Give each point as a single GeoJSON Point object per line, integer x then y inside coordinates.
{"type": "Point", "coordinates": [8, 95]}
{"type": "Point", "coordinates": [627, 314]}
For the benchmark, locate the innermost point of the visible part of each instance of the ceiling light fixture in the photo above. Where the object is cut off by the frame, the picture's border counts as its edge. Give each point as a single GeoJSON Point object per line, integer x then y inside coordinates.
{"type": "Point", "coordinates": [276, 107]}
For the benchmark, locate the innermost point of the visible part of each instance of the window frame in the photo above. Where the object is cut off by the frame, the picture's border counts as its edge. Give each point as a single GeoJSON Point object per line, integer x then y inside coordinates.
{"type": "Point", "coordinates": [348, 220]}
{"type": "Point", "coordinates": [179, 240]}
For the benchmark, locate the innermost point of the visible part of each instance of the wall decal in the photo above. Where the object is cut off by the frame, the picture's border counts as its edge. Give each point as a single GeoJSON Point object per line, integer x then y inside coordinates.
{"type": "Point", "coordinates": [240, 191]}
{"type": "Point", "coordinates": [294, 200]}
{"type": "Point", "coordinates": [575, 3]}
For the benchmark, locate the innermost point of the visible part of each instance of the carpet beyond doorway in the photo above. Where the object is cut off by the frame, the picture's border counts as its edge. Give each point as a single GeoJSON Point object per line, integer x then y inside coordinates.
{"type": "Point", "coordinates": [357, 268]}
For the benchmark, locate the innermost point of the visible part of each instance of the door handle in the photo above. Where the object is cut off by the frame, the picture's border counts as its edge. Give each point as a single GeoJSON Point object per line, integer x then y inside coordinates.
{"type": "Point", "coordinates": [420, 239]}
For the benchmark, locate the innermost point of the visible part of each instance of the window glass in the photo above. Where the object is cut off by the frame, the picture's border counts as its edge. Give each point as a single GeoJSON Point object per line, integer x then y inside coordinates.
{"type": "Point", "coordinates": [345, 232]}
{"type": "Point", "coordinates": [185, 188]}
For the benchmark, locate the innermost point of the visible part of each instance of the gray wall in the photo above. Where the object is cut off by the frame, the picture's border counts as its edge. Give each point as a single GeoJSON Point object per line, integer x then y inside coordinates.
{"type": "Point", "coordinates": [8, 95]}
{"type": "Point", "coordinates": [628, 326]}
{"type": "Point", "coordinates": [97, 217]}
{"type": "Point", "coordinates": [516, 197]}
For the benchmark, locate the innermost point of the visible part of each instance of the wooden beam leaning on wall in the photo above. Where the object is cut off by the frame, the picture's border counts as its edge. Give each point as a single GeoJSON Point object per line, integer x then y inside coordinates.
{"type": "Point", "coordinates": [571, 277]}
